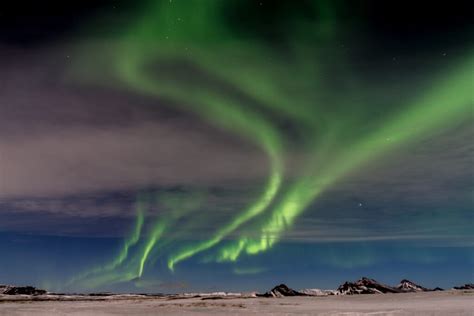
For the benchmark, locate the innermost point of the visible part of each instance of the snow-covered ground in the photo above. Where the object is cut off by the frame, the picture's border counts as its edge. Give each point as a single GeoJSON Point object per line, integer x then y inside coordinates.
{"type": "Point", "coordinates": [428, 303]}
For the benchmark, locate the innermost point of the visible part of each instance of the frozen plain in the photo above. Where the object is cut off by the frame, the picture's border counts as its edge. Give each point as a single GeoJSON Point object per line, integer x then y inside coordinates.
{"type": "Point", "coordinates": [431, 303]}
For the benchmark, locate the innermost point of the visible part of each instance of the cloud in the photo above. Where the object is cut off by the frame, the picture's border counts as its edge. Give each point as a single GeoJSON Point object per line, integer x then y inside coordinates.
{"type": "Point", "coordinates": [59, 138]}
{"type": "Point", "coordinates": [420, 192]}
{"type": "Point", "coordinates": [70, 151]}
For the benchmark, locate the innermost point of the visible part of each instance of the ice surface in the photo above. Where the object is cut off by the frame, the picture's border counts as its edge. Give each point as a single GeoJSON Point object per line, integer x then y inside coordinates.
{"type": "Point", "coordinates": [454, 303]}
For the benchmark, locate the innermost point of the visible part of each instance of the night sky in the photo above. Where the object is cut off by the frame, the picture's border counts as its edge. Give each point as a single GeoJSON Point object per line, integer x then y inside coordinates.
{"type": "Point", "coordinates": [203, 145]}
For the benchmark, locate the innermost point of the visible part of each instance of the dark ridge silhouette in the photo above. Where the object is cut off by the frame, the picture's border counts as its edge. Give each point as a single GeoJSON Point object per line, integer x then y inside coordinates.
{"type": "Point", "coordinates": [281, 291]}
{"type": "Point", "coordinates": [409, 286]}
{"type": "Point", "coordinates": [467, 286]}
{"type": "Point", "coordinates": [20, 290]}
{"type": "Point", "coordinates": [365, 286]}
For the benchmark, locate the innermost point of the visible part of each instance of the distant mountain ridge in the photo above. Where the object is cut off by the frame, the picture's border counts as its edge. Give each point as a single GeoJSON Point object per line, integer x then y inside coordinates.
{"type": "Point", "coordinates": [370, 286]}
{"type": "Point", "coordinates": [467, 286]}
{"type": "Point", "coordinates": [281, 291]}
{"type": "Point", "coordinates": [365, 286]}
{"type": "Point", "coordinates": [409, 286]}
{"type": "Point", "coordinates": [362, 286]}
{"type": "Point", "coordinates": [21, 290]}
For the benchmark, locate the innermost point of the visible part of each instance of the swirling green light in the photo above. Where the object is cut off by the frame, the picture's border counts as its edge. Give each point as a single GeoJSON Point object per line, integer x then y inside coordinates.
{"type": "Point", "coordinates": [180, 52]}
{"type": "Point", "coordinates": [448, 101]}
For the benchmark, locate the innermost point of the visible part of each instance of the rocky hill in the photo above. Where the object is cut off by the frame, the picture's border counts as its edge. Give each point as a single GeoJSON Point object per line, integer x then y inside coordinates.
{"type": "Point", "coordinates": [18, 290]}
{"type": "Point", "coordinates": [467, 286]}
{"type": "Point", "coordinates": [409, 286]}
{"type": "Point", "coordinates": [281, 291]}
{"type": "Point", "coordinates": [362, 286]}
{"type": "Point", "coordinates": [365, 286]}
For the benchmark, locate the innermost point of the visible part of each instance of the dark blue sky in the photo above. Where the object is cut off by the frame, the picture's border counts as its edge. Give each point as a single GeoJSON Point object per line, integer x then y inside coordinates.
{"type": "Point", "coordinates": [50, 261]}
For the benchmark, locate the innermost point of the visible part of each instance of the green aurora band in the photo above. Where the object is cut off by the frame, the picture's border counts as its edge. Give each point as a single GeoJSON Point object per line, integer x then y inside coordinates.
{"type": "Point", "coordinates": [129, 242]}
{"type": "Point", "coordinates": [180, 51]}
{"type": "Point", "coordinates": [211, 105]}
{"type": "Point", "coordinates": [449, 100]}
{"type": "Point", "coordinates": [119, 270]}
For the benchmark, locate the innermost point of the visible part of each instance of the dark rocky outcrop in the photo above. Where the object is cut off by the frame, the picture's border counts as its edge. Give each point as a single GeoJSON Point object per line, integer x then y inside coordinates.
{"type": "Point", "coordinates": [365, 286]}
{"type": "Point", "coordinates": [467, 286]}
{"type": "Point", "coordinates": [281, 291]}
{"type": "Point", "coordinates": [20, 290]}
{"type": "Point", "coordinates": [409, 286]}
{"type": "Point", "coordinates": [101, 294]}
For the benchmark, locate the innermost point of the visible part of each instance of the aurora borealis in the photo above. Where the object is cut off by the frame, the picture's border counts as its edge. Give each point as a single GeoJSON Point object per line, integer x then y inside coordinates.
{"type": "Point", "coordinates": [208, 139]}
